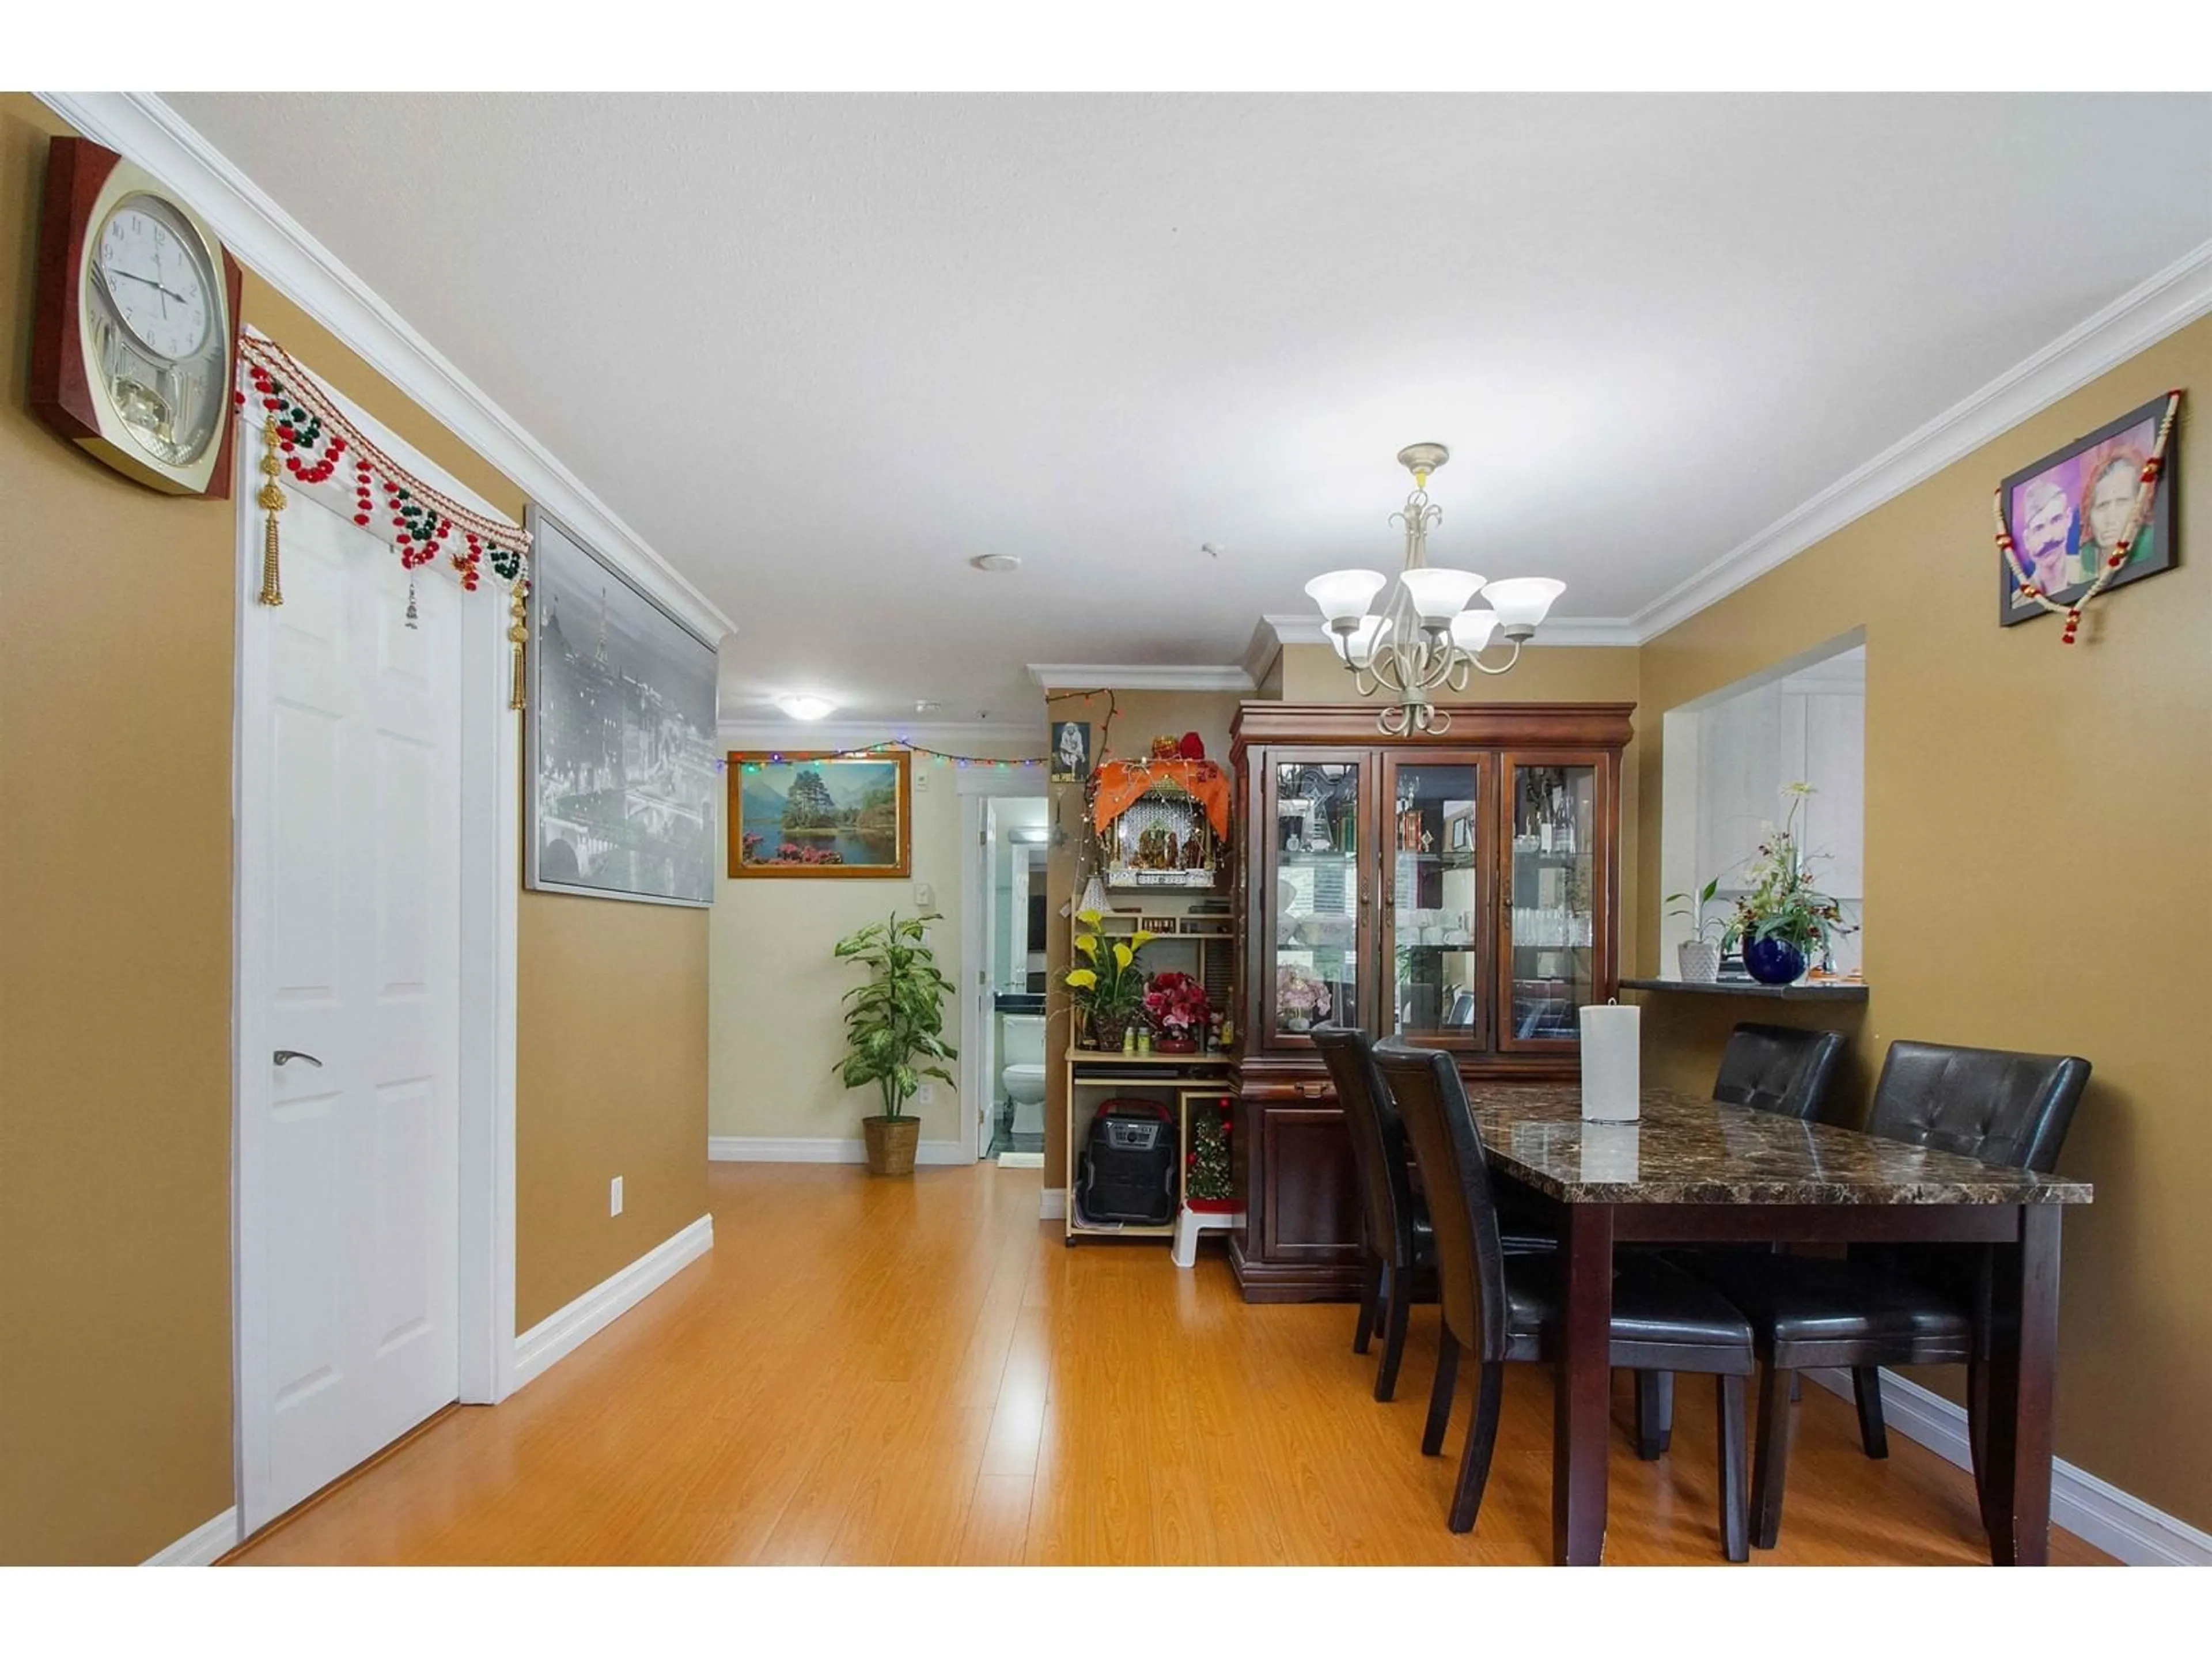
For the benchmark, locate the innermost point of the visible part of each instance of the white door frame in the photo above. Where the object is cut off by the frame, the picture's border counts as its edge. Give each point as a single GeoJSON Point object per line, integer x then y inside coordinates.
{"type": "Point", "coordinates": [976, 784]}
{"type": "Point", "coordinates": [490, 872]}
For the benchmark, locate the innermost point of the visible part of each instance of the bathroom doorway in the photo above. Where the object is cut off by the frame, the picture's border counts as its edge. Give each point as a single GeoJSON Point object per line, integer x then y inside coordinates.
{"type": "Point", "coordinates": [1003, 1015]}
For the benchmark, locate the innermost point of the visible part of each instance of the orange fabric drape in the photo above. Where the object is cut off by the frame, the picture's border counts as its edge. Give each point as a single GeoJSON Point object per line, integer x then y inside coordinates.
{"type": "Point", "coordinates": [1121, 783]}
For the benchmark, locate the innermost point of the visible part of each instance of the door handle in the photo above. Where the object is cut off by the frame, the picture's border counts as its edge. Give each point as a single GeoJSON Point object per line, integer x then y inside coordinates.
{"type": "Point", "coordinates": [283, 1055]}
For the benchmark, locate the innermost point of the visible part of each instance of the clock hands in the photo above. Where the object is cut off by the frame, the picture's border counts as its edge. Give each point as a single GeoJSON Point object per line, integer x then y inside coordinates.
{"type": "Point", "coordinates": [167, 293]}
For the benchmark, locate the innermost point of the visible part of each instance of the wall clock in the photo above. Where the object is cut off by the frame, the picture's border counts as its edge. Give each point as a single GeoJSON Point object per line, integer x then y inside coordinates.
{"type": "Point", "coordinates": [132, 351]}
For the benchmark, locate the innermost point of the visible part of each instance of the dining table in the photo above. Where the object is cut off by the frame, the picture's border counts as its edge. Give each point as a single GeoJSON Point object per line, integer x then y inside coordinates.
{"type": "Point", "coordinates": [1696, 1171]}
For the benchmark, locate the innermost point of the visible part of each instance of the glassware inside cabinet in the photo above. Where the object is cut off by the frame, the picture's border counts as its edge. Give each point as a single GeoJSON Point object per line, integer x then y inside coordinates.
{"type": "Point", "coordinates": [1553, 956]}
{"type": "Point", "coordinates": [1315, 975]}
{"type": "Point", "coordinates": [1435, 823]}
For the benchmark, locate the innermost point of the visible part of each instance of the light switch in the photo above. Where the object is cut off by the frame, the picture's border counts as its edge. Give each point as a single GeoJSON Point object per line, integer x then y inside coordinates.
{"type": "Point", "coordinates": [614, 1196]}
{"type": "Point", "coordinates": [925, 896]}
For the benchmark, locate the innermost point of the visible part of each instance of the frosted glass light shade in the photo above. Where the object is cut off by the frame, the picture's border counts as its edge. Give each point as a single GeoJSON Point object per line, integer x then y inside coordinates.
{"type": "Point", "coordinates": [1471, 629]}
{"type": "Point", "coordinates": [1358, 648]}
{"type": "Point", "coordinates": [1343, 595]}
{"type": "Point", "coordinates": [1440, 595]}
{"type": "Point", "coordinates": [1094, 896]}
{"type": "Point", "coordinates": [1522, 601]}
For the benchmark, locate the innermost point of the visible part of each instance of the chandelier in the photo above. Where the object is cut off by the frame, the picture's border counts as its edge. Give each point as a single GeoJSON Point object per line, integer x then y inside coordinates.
{"type": "Point", "coordinates": [1424, 639]}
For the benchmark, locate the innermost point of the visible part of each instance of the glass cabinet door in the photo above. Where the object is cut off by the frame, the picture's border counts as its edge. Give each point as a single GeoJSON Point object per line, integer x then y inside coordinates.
{"type": "Point", "coordinates": [1554, 956]}
{"type": "Point", "coordinates": [1311, 972]}
{"type": "Point", "coordinates": [1436, 834]}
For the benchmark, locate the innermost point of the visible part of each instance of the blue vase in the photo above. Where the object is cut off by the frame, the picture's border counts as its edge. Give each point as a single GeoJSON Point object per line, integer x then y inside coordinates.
{"type": "Point", "coordinates": [1773, 961]}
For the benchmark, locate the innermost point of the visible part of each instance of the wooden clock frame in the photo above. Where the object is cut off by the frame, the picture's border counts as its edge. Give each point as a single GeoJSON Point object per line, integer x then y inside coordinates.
{"type": "Point", "coordinates": [78, 174]}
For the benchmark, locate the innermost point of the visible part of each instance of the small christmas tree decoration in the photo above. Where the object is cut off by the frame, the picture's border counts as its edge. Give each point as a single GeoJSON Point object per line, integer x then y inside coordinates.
{"type": "Point", "coordinates": [1207, 1184]}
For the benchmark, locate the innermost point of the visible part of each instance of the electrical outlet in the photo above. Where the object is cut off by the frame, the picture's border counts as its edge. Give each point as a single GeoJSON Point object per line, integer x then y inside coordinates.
{"type": "Point", "coordinates": [926, 1095]}
{"type": "Point", "coordinates": [614, 1196]}
{"type": "Point", "coordinates": [925, 896]}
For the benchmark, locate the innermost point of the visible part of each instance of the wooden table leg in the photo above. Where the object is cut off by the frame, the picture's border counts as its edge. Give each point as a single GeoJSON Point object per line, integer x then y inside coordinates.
{"type": "Point", "coordinates": [2023, 1360]}
{"type": "Point", "coordinates": [1582, 1409]}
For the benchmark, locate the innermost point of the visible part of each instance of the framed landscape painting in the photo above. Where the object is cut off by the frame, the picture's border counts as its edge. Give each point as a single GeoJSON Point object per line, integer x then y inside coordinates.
{"type": "Point", "coordinates": [619, 735]}
{"type": "Point", "coordinates": [2068, 510]}
{"type": "Point", "coordinates": [821, 815]}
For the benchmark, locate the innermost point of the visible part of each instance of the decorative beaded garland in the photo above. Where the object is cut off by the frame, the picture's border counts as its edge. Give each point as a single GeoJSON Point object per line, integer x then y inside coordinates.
{"type": "Point", "coordinates": [2146, 494]}
{"type": "Point", "coordinates": [303, 423]}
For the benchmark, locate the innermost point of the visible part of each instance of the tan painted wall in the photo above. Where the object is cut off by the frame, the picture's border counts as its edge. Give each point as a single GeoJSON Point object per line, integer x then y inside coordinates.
{"type": "Point", "coordinates": [778, 1020]}
{"type": "Point", "coordinates": [1138, 718]}
{"type": "Point", "coordinates": [611, 1079]}
{"type": "Point", "coordinates": [2037, 878]}
{"type": "Point", "coordinates": [115, 902]}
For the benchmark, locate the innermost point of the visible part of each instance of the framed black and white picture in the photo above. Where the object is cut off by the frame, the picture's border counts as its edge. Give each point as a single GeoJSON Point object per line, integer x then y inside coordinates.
{"type": "Point", "coordinates": [1071, 752]}
{"type": "Point", "coordinates": [625, 774]}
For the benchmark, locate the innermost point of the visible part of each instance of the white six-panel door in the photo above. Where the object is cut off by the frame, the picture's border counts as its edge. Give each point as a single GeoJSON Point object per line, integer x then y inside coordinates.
{"type": "Point", "coordinates": [349, 918]}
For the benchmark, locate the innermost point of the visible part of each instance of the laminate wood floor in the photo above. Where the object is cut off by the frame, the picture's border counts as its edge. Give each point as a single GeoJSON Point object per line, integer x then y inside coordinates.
{"type": "Point", "coordinates": [894, 1371]}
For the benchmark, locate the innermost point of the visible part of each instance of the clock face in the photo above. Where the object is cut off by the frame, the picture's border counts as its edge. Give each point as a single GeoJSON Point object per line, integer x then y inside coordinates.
{"type": "Point", "coordinates": [159, 285]}
{"type": "Point", "coordinates": [157, 328]}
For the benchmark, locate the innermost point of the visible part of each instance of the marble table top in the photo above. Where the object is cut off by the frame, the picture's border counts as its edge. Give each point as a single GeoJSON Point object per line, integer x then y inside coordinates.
{"type": "Point", "coordinates": [1688, 1151]}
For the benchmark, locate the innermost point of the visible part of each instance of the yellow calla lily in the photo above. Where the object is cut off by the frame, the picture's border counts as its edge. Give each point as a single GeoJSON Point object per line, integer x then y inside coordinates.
{"type": "Point", "coordinates": [1082, 978]}
{"type": "Point", "coordinates": [1090, 918]}
{"type": "Point", "coordinates": [1087, 944]}
{"type": "Point", "coordinates": [1139, 939]}
{"type": "Point", "coordinates": [1123, 956]}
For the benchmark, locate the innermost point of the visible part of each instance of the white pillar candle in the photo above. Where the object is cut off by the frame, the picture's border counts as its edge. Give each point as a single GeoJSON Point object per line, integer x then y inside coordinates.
{"type": "Point", "coordinates": [1612, 1067]}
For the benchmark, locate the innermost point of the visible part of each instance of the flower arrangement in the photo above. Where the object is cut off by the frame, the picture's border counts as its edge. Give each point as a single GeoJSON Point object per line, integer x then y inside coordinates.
{"type": "Point", "coordinates": [1300, 997]}
{"type": "Point", "coordinates": [1176, 1006]}
{"type": "Point", "coordinates": [1781, 917]}
{"type": "Point", "coordinates": [1108, 984]}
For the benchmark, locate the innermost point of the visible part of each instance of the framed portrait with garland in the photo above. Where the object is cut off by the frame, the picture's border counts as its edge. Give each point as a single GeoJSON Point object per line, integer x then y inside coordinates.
{"type": "Point", "coordinates": [2092, 516]}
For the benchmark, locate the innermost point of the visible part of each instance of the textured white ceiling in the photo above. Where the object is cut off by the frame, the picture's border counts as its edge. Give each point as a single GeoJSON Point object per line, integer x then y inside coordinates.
{"type": "Point", "coordinates": [821, 350]}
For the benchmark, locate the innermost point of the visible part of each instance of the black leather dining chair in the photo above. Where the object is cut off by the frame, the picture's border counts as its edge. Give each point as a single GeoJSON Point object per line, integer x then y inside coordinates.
{"type": "Point", "coordinates": [1778, 1068]}
{"type": "Point", "coordinates": [1504, 1306]}
{"type": "Point", "coordinates": [1783, 1069]}
{"type": "Point", "coordinates": [1898, 1306]}
{"type": "Point", "coordinates": [1394, 1230]}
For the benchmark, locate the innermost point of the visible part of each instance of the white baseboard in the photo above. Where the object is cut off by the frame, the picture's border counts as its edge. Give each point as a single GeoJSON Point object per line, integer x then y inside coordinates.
{"type": "Point", "coordinates": [202, 1546]}
{"type": "Point", "coordinates": [1052, 1203]}
{"type": "Point", "coordinates": [2118, 1522]}
{"type": "Point", "coordinates": [554, 1339]}
{"type": "Point", "coordinates": [819, 1149]}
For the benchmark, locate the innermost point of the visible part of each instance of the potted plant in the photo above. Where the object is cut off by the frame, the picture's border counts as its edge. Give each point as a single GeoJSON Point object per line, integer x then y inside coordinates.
{"type": "Point", "coordinates": [1782, 917]}
{"type": "Point", "coordinates": [1701, 957]}
{"type": "Point", "coordinates": [1175, 1006]}
{"type": "Point", "coordinates": [1108, 986]}
{"type": "Point", "coordinates": [895, 1020]}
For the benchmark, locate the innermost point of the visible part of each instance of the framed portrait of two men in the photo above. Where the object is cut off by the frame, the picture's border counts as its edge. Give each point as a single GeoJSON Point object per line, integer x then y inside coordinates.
{"type": "Point", "coordinates": [2068, 510]}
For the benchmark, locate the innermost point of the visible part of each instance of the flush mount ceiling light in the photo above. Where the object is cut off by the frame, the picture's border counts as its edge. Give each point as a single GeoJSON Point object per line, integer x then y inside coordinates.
{"type": "Point", "coordinates": [1424, 639]}
{"type": "Point", "coordinates": [996, 562]}
{"type": "Point", "coordinates": [801, 708]}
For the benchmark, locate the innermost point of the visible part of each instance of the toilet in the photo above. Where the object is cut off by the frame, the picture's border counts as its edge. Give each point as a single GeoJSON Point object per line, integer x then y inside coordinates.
{"type": "Point", "coordinates": [1021, 1047]}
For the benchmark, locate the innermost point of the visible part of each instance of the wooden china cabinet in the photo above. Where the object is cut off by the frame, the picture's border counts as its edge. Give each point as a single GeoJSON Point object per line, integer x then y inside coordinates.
{"type": "Point", "coordinates": [1459, 889]}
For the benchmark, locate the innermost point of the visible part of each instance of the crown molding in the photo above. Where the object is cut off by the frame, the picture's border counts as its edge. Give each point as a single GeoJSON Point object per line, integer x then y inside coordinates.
{"type": "Point", "coordinates": [2141, 317]}
{"type": "Point", "coordinates": [261, 234]}
{"type": "Point", "coordinates": [1264, 651]}
{"type": "Point", "coordinates": [1141, 676]}
{"type": "Point", "coordinates": [781, 732]}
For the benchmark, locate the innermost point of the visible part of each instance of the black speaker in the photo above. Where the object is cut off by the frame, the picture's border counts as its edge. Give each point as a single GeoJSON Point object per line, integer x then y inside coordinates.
{"type": "Point", "coordinates": [1128, 1171]}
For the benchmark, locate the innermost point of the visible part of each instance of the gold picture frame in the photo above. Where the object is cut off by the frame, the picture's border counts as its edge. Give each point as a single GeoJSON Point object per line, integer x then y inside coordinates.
{"type": "Point", "coordinates": [855, 806]}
